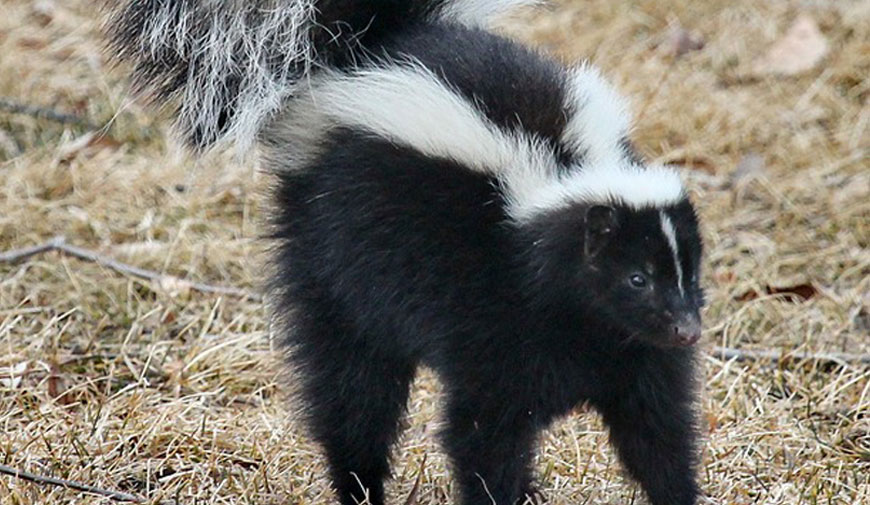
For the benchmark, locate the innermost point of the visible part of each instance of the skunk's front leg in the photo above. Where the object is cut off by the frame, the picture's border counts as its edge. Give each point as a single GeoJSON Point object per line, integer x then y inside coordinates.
{"type": "Point", "coordinates": [653, 428]}
{"type": "Point", "coordinates": [491, 445]}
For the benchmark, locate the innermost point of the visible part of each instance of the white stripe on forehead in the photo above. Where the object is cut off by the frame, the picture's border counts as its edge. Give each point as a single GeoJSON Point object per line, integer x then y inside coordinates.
{"type": "Point", "coordinates": [671, 237]}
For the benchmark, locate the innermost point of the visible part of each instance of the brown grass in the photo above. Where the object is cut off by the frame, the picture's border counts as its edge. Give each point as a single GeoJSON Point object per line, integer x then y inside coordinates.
{"type": "Point", "coordinates": [119, 383]}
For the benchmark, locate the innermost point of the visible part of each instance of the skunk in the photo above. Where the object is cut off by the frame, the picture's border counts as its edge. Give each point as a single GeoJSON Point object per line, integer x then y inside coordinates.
{"type": "Point", "coordinates": [445, 197]}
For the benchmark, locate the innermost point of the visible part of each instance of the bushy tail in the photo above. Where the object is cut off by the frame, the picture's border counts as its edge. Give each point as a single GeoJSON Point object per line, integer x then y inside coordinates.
{"type": "Point", "coordinates": [230, 64]}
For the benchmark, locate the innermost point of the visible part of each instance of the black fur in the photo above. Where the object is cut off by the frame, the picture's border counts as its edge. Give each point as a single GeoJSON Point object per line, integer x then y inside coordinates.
{"type": "Point", "coordinates": [522, 89]}
{"type": "Point", "coordinates": [387, 260]}
{"type": "Point", "coordinates": [392, 260]}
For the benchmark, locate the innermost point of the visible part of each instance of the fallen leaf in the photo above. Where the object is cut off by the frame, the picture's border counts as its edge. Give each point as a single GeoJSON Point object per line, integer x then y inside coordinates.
{"type": "Point", "coordinates": [70, 149]}
{"type": "Point", "coordinates": [44, 11]}
{"type": "Point", "coordinates": [681, 41]}
{"type": "Point", "coordinates": [791, 294]}
{"type": "Point", "coordinates": [747, 296]}
{"type": "Point", "coordinates": [103, 141]}
{"type": "Point", "coordinates": [11, 377]}
{"type": "Point", "coordinates": [57, 386]}
{"type": "Point", "coordinates": [90, 140]}
{"type": "Point", "coordinates": [173, 286]}
{"type": "Point", "coordinates": [750, 166]}
{"type": "Point", "coordinates": [694, 162]}
{"type": "Point", "coordinates": [712, 422]}
{"type": "Point", "coordinates": [31, 43]}
{"type": "Point", "coordinates": [801, 48]}
{"type": "Point", "coordinates": [797, 293]}
{"type": "Point", "coordinates": [726, 277]}
{"type": "Point", "coordinates": [169, 317]}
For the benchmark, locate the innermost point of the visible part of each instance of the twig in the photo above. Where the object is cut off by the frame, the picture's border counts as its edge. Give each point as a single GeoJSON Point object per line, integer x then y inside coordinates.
{"type": "Point", "coordinates": [59, 244]}
{"type": "Point", "coordinates": [77, 486]}
{"type": "Point", "coordinates": [727, 353]}
{"type": "Point", "coordinates": [20, 254]}
{"type": "Point", "coordinates": [412, 496]}
{"type": "Point", "coordinates": [87, 255]}
{"type": "Point", "coordinates": [44, 113]}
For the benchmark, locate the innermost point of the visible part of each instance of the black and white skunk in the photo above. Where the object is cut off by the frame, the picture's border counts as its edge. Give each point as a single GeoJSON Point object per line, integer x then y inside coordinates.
{"type": "Point", "coordinates": [446, 197]}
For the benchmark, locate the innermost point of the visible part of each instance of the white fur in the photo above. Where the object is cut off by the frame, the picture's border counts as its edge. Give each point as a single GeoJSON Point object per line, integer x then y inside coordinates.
{"type": "Point", "coordinates": [599, 117]}
{"type": "Point", "coordinates": [229, 26]}
{"type": "Point", "coordinates": [263, 90]}
{"type": "Point", "coordinates": [478, 12]}
{"type": "Point", "coordinates": [671, 237]}
{"type": "Point", "coordinates": [619, 183]}
{"type": "Point", "coordinates": [261, 29]}
{"type": "Point", "coordinates": [409, 105]}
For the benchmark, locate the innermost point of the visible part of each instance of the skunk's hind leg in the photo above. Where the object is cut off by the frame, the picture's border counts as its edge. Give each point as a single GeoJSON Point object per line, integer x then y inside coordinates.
{"type": "Point", "coordinates": [354, 395]}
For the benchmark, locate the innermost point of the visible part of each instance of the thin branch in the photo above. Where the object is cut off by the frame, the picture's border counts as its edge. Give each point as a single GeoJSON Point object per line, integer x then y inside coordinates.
{"type": "Point", "coordinates": [59, 244]}
{"type": "Point", "coordinates": [68, 484]}
{"type": "Point", "coordinates": [151, 275]}
{"type": "Point", "coordinates": [45, 113]}
{"type": "Point", "coordinates": [412, 496]}
{"type": "Point", "coordinates": [727, 353]}
{"type": "Point", "coordinates": [16, 255]}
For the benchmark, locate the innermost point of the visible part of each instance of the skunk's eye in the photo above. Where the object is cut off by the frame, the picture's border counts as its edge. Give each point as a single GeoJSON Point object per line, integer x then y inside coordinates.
{"type": "Point", "coordinates": [637, 281]}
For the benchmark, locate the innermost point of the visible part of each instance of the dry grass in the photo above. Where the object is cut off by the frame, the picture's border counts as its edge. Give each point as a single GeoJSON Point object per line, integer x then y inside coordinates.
{"type": "Point", "coordinates": [170, 393]}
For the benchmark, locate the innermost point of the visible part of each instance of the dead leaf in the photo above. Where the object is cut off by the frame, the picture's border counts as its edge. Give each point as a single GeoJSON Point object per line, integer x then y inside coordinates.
{"type": "Point", "coordinates": [11, 377]}
{"type": "Point", "coordinates": [57, 386]}
{"type": "Point", "coordinates": [31, 43]}
{"type": "Point", "coordinates": [173, 286]}
{"type": "Point", "coordinates": [695, 162]}
{"type": "Point", "coordinates": [44, 11]}
{"type": "Point", "coordinates": [801, 48]}
{"type": "Point", "coordinates": [712, 422]}
{"type": "Point", "coordinates": [681, 41]}
{"type": "Point", "coordinates": [103, 141]}
{"type": "Point", "coordinates": [791, 294]}
{"type": "Point", "coordinates": [726, 277]}
{"type": "Point", "coordinates": [746, 296]}
{"type": "Point", "coordinates": [797, 293]}
{"type": "Point", "coordinates": [89, 141]}
{"type": "Point", "coordinates": [750, 166]}
{"type": "Point", "coordinates": [69, 150]}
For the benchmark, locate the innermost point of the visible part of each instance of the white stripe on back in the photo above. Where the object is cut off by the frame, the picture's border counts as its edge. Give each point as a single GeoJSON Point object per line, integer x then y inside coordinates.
{"type": "Point", "coordinates": [407, 104]}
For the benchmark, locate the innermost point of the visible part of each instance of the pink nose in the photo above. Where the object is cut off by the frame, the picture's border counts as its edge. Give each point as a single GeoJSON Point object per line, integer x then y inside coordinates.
{"type": "Point", "coordinates": [687, 340]}
{"type": "Point", "coordinates": [687, 333]}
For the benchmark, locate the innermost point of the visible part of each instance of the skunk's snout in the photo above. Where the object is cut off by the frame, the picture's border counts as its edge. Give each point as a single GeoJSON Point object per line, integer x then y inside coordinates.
{"type": "Point", "coordinates": [687, 331]}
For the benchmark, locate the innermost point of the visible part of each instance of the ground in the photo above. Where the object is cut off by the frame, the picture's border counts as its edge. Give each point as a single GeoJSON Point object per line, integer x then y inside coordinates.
{"type": "Point", "coordinates": [153, 388]}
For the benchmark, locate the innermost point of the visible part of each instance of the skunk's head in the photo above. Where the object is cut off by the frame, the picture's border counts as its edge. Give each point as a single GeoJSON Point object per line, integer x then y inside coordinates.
{"type": "Point", "coordinates": [633, 270]}
{"type": "Point", "coordinates": [615, 246]}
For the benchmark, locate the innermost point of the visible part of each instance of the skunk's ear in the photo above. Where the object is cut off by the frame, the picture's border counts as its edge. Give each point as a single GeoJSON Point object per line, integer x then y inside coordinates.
{"type": "Point", "coordinates": [600, 225]}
